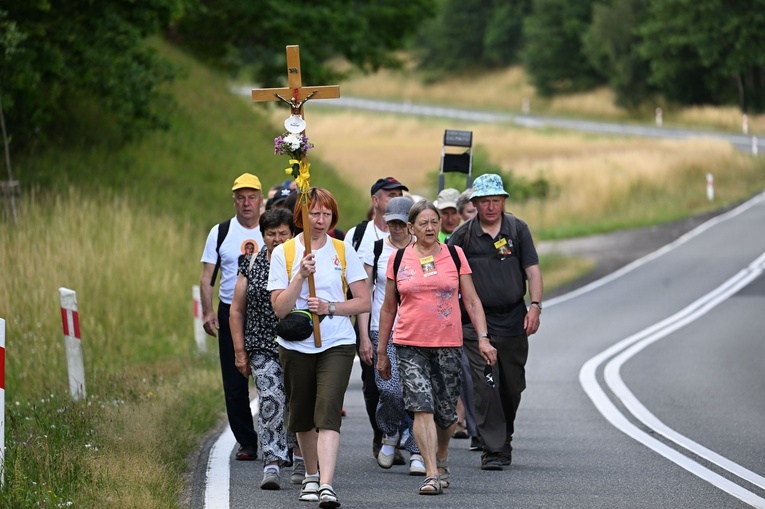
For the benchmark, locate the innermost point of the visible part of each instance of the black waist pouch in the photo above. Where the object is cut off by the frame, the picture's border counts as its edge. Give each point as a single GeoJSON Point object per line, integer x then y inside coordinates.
{"type": "Point", "coordinates": [296, 326]}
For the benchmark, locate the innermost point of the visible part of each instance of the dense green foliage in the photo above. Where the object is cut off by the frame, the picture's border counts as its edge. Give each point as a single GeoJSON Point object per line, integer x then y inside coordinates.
{"type": "Point", "coordinates": [469, 33]}
{"type": "Point", "coordinates": [609, 44]}
{"type": "Point", "coordinates": [554, 56]}
{"type": "Point", "coordinates": [687, 51]}
{"type": "Point", "coordinates": [63, 59]}
{"type": "Point", "coordinates": [55, 54]}
{"type": "Point", "coordinates": [711, 51]}
{"type": "Point", "coordinates": [234, 34]}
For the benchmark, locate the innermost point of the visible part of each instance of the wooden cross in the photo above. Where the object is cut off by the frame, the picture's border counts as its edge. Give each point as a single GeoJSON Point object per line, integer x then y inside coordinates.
{"type": "Point", "coordinates": [296, 95]}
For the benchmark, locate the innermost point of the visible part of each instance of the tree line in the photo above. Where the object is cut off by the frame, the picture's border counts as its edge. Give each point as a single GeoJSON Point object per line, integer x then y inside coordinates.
{"type": "Point", "coordinates": [59, 59]}
{"type": "Point", "coordinates": [687, 51]}
{"type": "Point", "coordinates": [58, 55]}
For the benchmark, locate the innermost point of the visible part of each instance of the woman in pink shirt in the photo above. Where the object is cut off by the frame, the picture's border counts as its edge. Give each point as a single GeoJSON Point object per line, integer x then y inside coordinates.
{"type": "Point", "coordinates": [424, 290]}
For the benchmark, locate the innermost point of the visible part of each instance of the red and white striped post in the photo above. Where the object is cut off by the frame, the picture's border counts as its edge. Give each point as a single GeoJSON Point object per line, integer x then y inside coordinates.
{"type": "Point", "coordinates": [710, 187]}
{"type": "Point", "coordinates": [2, 401]}
{"type": "Point", "coordinates": [71, 321]}
{"type": "Point", "coordinates": [199, 331]}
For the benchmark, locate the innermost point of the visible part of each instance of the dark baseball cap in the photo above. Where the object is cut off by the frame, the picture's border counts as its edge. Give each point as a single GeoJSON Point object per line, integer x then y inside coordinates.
{"type": "Point", "coordinates": [388, 183]}
{"type": "Point", "coordinates": [279, 198]}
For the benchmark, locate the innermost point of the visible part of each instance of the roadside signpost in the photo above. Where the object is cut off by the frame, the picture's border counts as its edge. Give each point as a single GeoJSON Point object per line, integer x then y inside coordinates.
{"type": "Point", "coordinates": [70, 319]}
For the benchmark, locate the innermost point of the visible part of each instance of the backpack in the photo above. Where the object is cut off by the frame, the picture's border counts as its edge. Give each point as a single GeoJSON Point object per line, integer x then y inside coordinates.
{"type": "Point", "coordinates": [378, 249]}
{"type": "Point", "coordinates": [289, 258]}
{"type": "Point", "coordinates": [400, 256]}
{"type": "Point", "coordinates": [467, 235]}
{"type": "Point", "coordinates": [358, 234]}
{"type": "Point", "coordinates": [222, 232]}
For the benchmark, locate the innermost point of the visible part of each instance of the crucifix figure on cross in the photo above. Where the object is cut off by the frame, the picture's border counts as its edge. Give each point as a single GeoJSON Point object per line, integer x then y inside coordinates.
{"type": "Point", "coordinates": [295, 124]}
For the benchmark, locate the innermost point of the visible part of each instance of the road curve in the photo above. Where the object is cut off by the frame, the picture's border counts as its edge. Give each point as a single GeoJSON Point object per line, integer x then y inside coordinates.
{"type": "Point", "coordinates": [688, 383]}
{"type": "Point", "coordinates": [750, 144]}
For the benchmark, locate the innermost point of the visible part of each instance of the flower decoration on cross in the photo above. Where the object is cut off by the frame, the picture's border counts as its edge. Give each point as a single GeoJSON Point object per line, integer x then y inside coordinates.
{"type": "Point", "coordinates": [295, 146]}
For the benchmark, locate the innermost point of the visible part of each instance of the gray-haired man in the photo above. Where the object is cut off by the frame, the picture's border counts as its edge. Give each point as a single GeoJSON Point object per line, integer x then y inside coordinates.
{"type": "Point", "coordinates": [501, 253]}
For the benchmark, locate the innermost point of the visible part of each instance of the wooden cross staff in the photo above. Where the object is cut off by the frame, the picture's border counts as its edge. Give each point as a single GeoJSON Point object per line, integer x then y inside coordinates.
{"type": "Point", "coordinates": [296, 95]}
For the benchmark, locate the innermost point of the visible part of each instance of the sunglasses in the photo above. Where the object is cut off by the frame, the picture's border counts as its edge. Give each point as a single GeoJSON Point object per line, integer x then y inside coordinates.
{"type": "Point", "coordinates": [488, 375]}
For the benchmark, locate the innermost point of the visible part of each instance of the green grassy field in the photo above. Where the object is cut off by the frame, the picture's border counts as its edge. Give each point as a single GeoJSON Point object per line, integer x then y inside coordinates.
{"type": "Point", "coordinates": [123, 224]}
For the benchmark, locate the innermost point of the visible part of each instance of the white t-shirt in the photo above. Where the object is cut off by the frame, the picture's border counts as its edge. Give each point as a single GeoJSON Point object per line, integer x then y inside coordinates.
{"type": "Point", "coordinates": [371, 234]}
{"type": "Point", "coordinates": [237, 243]}
{"type": "Point", "coordinates": [379, 290]}
{"type": "Point", "coordinates": [335, 331]}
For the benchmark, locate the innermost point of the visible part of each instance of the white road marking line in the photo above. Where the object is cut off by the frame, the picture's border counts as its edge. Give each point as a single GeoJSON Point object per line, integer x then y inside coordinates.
{"type": "Point", "coordinates": [652, 256]}
{"type": "Point", "coordinates": [628, 347]}
{"type": "Point", "coordinates": [675, 322]}
{"type": "Point", "coordinates": [217, 479]}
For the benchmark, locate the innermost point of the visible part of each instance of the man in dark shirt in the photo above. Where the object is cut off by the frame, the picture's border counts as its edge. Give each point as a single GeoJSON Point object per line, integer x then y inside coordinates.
{"type": "Point", "coordinates": [502, 255]}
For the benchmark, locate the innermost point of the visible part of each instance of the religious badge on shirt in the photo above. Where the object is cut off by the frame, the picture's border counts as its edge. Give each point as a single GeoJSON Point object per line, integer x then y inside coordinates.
{"type": "Point", "coordinates": [428, 265]}
{"type": "Point", "coordinates": [504, 248]}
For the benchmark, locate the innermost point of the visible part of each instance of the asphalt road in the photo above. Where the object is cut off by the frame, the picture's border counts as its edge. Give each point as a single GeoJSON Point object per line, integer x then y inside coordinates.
{"type": "Point", "coordinates": [744, 143]}
{"type": "Point", "coordinates": [645, 390]}
{"type": "Point", "coordinates": [741, 142]}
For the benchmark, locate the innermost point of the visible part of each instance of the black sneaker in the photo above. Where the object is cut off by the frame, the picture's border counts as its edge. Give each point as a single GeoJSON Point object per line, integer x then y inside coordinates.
{"type": "Point", "coordinates": [490, 461]}
{"type": "Point", "coordinates": [475, 444]}
{"type": "Point", "coordinates": [506, 456]}
{"type": "Point", "coordinates": [247, 453]}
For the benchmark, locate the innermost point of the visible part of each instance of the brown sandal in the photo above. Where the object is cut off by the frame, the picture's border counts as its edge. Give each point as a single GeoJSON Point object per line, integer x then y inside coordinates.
{"type": "Point", "coordinates": [443, 472]}
{"type": "Point", "coordinates": [431, 486]}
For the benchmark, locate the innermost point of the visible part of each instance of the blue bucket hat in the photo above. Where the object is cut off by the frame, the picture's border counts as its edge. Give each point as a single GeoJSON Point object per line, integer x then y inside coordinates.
{"type": "Point", "coordinates": [489, 184]}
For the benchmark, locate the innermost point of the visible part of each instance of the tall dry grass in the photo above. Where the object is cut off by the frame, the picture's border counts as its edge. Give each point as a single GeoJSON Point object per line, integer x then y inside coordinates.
{"type": "Point", "coordinates": [505, 90]}
{"type": "Point", "coordinates": [150, 396]}
{"type": "Point", "coordinates": [599, 183]}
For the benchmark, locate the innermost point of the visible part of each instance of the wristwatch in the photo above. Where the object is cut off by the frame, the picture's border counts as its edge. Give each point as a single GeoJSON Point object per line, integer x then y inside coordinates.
{"type": "Point", "coordinates": [331, 309]}
{"type": "Point", "coordinates": [537, 304]}
{"type": "Point", "coordinates": [485, 335]}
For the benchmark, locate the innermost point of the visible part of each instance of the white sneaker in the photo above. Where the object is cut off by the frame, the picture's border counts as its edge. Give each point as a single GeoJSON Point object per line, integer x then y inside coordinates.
{"type": "Point", "coordinates": [298, 472]}
{"type": "Point", "coordinates": [416, 465]}
{"type": "Point", "coordinates": [270, 480]}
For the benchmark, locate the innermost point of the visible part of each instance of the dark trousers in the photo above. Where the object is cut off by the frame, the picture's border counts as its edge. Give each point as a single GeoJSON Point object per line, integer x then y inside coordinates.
{"type": "Point", "coordinates": [235, 387]}
{"type": "Point", "coordinates": [369, 389]}
{"type": "Point", "coordinates": [466, 393]}
{"type": "Point", "coordinates": [495, 408]}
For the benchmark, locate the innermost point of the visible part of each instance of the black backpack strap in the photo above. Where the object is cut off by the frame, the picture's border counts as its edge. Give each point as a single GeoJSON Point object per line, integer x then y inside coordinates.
{"type": "Point", "coordinates": [378, 251]}
{"type": "Point", "coordinates": [222, 232]}
{"type": "Point", "coordinates": [396, 265]}
{"type": "Point", "coordinates": [358, 234]}
{"type": "Point", "coordinates": [455, 258]}
{"type": "Point", "coordinates": [516, 241]}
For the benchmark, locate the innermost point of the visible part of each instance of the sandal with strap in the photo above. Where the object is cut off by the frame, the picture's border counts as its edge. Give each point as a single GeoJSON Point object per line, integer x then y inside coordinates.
{"type": "Point", "coordinates": [443, 471]}
{"type": "Point", "coordinates": [310, 490]}
{"type": "Point", "coordinates": [328, 497]}
{"type": "Point", "coordinates": [431, 486]}
{"type": "Point", "coordinates": [388, 460]}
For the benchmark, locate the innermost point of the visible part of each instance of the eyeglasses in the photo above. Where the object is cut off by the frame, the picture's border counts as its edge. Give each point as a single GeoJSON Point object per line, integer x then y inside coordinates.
{"type": "Point", "coordinates": [488, 375]}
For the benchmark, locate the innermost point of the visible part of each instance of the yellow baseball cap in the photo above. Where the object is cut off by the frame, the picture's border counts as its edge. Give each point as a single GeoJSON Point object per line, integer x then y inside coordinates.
{"type": "Point", "coordinates": [246, 180]}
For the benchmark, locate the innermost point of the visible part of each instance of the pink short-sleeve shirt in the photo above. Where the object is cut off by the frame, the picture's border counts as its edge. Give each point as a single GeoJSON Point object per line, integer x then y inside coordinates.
{"type": "Point", "coordinates": [429, 311]}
